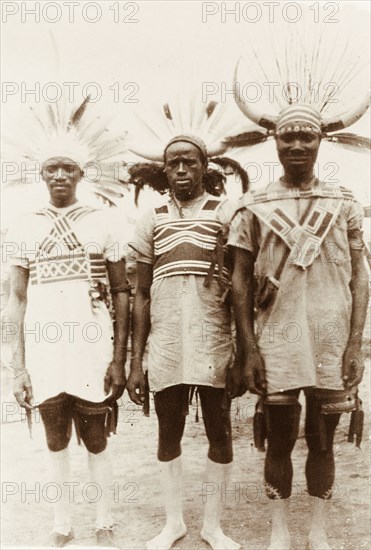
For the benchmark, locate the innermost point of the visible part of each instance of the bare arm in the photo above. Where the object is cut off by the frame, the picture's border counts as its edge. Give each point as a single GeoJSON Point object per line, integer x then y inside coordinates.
{"type": "Point", "coordinates": [115, 377]}
{"type": "Point", "coordinates": [15, 313]}
{"type": "Point", "coordinates": [117, 278]}
{"type": "Point", "coordinates": [141, 327]}
{"type": "Point", "coordinates": [353, 365]}
{"type": "Point", "coordinates": [243, 305]}
{"type": "Point", "coordinates": [360, 293]}
{"type": "Point", "coordinates": [243, 299]}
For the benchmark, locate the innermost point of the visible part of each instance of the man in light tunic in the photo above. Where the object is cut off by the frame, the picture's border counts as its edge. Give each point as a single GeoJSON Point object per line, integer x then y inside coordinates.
{"type": "Point", "coordinates": [68, 358]}
{"type": "Point", "coordinates": [302, 241]}
{"type": "Point", "coordinates": [180, 308]}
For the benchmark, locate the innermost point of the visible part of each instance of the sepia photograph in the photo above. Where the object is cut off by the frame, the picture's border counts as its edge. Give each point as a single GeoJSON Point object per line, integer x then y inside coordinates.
{"type": "Point", "coordinates": [185, 274]}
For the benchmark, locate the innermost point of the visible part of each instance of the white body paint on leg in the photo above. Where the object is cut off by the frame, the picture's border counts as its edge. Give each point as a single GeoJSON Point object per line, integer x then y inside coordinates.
{"type": "Point", "coordinates": [101, 474]}
{"type": "Point", "coordinates": [59, 470]}
{"type": "Point", "coordinates": [317, 538]}
{"type": "Point", "coordinates": [211, 531]}
{"type": "Point", "coordinates": [280, 537]}
{"type": "Point", "coordinates": [171, 485]}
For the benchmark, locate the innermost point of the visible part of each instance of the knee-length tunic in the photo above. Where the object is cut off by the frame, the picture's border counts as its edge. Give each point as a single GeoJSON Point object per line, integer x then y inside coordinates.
{"type": "Point", "coordinates": [68, 342]}
{"type": "Point", "coordinates": [190, 339]}
{"type": "Point", "coordinates": [303, 334]}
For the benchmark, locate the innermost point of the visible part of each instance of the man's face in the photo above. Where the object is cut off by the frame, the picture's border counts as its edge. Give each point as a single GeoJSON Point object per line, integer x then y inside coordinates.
{"type": "Point", "coordinates": [184, 168]}
{"type": "Point", "coordinates": [61, 175]}
{"type": "Point", "coordinates": [298, 151]}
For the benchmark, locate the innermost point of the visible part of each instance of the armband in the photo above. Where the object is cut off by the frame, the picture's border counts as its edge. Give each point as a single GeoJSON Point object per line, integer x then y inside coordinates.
{"type": "Point", "coordinates": [122, 288]}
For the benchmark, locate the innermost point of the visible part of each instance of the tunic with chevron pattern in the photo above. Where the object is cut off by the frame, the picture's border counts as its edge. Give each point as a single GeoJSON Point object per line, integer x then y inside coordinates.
{"type": "Point", "coordinates": [303, 333]}
{"type": "Point", "coordinates": [68, 342]}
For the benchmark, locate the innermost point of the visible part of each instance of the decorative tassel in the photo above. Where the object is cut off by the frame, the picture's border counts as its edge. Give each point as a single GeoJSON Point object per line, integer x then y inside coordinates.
{"type": "Point", "coordinates": [29, 418]}
{"type": "Point", "coordinates": [197, 419]}
{"type": "Point", "coordinates": [359, 427]}
{"type": "Point", "coordinates": [29, 421]}
{"type": "Point", "coordinates": [237, 407]}
{"type": "Point", "coordinates": [77, 429]}
{"type": "Point", "coordinates": [192, 391]}
{"type": "Point", "coordinates": [260, 426]}
{"type": "Point", "coordinates": [218, 260]}
{"type": "Point", "coordinates": [146, 405]}
{"type": "Point", "coordinates": [112, 419]}
{"type": "Point", "coordinates": [356, 424]}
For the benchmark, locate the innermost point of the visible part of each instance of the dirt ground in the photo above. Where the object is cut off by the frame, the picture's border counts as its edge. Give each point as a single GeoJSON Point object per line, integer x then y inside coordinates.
{"type": "Point", "coordinates": [27, 516]}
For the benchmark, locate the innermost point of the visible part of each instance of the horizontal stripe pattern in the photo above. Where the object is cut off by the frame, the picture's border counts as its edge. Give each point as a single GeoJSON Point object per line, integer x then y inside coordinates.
{"type": "Point", "coordinates": [186, 246]}
{"type": "Point", "coordinates": [299, 115]}
{"type": "Point", "coordinates": [68, 268]}
{"type": "Point", "coordinates": [190, 267]}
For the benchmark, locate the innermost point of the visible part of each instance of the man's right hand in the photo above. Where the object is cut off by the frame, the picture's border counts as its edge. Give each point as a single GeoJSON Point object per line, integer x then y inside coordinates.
{"type": "Point", "coordinates": [22, 390]}
{"type": "Point", "coordinates": [254, 373]}
{"type": "Point", "coordinates": [136, 383]}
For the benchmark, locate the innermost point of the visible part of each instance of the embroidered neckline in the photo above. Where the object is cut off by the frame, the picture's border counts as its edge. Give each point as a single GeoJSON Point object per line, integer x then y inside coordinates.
{"type": "Point", "coordinates": [64, 209]}
{"type": "Point", "coordinates": [304, 186]}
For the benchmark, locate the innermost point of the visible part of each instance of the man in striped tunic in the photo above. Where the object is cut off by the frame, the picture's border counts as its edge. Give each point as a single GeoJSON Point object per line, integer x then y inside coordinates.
{"type": "Point", "coordinates": [189, 329]}
{"type": "Point", "coordinates": [64, 360]}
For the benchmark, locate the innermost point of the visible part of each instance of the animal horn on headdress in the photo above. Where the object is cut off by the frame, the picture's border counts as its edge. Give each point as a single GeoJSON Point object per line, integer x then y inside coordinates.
{"type": "Point", "coordinates": [217, 149]}
{"type": "Point", "coordinates": [339, 123]}
{"type": "Point", "coordinates": [154, 151]}
{"type": "Point", "coordinates": [213, 151]}
{"type": "Point", "coordinates": [262, 119]}
{"type": "Point", "coordinates": [149, 155]}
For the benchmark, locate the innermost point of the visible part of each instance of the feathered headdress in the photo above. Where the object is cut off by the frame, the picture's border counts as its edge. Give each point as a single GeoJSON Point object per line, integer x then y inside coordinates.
{"type": "Point", "coordinates": [309, 77]}
{"type": "Point", "coordinates": [79, 133]}
{"type": "Point", "coordinates": [187, 118]}
{"type": "Point", "coordinates": [184, 115]}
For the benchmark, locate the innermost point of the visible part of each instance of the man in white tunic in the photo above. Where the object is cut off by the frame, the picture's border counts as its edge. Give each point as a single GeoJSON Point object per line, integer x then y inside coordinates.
{"type": "Point", "coordinates": [68, 357]}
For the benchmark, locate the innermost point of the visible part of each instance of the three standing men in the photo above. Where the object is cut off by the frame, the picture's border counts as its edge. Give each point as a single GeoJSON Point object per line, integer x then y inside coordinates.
{"type": "Point", "coordinates": [303, 243]}
{"type": "Point", "coordinates": [188, 324]}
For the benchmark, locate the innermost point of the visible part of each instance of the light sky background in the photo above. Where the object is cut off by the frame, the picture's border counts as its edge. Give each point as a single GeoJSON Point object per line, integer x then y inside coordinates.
{"type": "Point", "coordinates": [169, 42]}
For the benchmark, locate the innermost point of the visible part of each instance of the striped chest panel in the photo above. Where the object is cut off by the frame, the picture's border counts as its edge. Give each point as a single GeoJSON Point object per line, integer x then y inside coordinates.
{"type": "Point", "coordinates": [76, 265]}
{"type": "Point", "coordinates": [185, 246]}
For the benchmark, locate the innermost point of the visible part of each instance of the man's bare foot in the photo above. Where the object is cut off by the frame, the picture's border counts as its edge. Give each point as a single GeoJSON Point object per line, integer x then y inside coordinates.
{"type": "Point", "coordinates": [281, 542]}
{"type": "Point", "coordinates": [316, 542]}
{"type": "Point", "coordinates": [218, 540]}
{"type": "Point", "coordinates": [167, 537]}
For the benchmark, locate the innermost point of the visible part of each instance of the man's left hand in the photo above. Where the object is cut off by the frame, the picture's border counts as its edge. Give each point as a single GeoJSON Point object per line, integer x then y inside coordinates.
{"type": "Point", "coordinates": [115, 380]}
{"type": "Point", "coordinates": [353, 366]}
{"type": "Point", "coordinates": [235, 382]}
